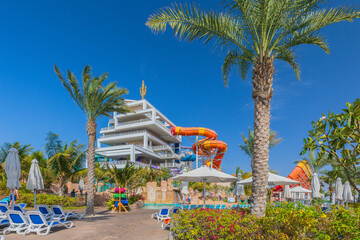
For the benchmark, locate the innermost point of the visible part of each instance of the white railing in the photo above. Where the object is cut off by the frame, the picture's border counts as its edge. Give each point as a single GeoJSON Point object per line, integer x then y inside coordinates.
{"type": "Point", "coordinates": [170, 164]}
{"type": "Point", "coordinates": [122, 163]}
{"type": "Point", "coordinates": [123, 133]}
{"type": "Point", "coordinates": [167, 156]}
{"type": "Point", "coordinates": [134, 121]}
{"type": "Point", "coordinates": [161, 147]}
{"type": "Point", "coordinates": [107, 128]}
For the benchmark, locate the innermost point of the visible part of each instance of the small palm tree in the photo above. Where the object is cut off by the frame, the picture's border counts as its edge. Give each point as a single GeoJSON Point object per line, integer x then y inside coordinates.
{"type": "Point", "coordinates": [253, 34]}
{"type": "Point", "coordinates": [66, 162]}
{"type": "Point", "coordinates": [23, 150]}
{"type": "Point", "coordinates": [96, 100]}
{"type": "Point", "coordinates": [315, 162]}
{"type": "Point", "coordinates": [248, 147]}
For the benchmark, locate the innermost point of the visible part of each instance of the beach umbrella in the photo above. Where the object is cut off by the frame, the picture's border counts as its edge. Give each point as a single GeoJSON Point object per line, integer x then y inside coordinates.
{"type": "Point", "coordinates": [347, 194]}
{"type": "Point", "coordinates": [205, 174]}
{"type": "Point", "coordinates": [315, 186]}
{"type": "Point", "coordinates": [13, 171]}
{"type": "Point", "coordinates": [338, 190]}
{"type": "Point", "coordinates": [240, 190]}
{"type": "Point", "coordinates": [273, 179]}
{"type": "Point", "coordinates": [81, 185]}
{"type": "Point", "coordinates": [35, 181]}
{"type": "Point", "coordinates": [287, 193]}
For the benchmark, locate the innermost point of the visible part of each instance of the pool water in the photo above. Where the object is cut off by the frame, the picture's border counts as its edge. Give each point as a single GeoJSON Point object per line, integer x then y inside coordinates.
{"type": "Point", "coordinates": [159, 205]}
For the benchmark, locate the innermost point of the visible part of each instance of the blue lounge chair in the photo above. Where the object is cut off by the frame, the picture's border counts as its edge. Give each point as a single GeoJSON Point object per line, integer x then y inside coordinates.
{"type": "Point", "coordinates": [45, 211]}
{"type": "Point", "coordinates": [38, 224]}
{"type": "Point", "coordinates": [218, 206]}
{"type": "Point", "coordinates": [59, 213]}
{"type": "Point", "coordinates": [3, 209]}
{"type": "Point", "coordinates": [212, 206]}
{"type": "Point", "coordinates": [175, 210]}
{"type": "Point", "coordinates": [186, 207]}
{"type": "Point", "coordinates": [161, 215]}
{"type": "Point", "coordinates": [19, 207]}
{"type": "Point", "coordinates": [223, 207]}
{"type": "Point", "coordinates": [18, 222]}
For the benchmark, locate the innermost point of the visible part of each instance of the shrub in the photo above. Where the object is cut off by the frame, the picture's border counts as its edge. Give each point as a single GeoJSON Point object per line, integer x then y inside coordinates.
{"type": "Point", "coordinates": [287, 221]}
{"type": "Point", "coordinates": [49, 199]}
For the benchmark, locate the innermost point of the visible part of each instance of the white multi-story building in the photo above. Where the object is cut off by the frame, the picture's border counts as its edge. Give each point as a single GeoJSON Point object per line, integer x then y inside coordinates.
{"type": "Point", "coordinates": [142, 137]}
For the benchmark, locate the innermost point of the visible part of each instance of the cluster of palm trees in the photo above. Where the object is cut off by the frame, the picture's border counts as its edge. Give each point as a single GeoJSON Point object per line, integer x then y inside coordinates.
{"type": "Point", "coordinates": [61, 162]}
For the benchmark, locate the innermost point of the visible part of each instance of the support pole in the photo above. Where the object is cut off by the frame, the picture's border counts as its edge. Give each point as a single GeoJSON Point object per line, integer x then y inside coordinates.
{"type": "Point", "coordinates": [34, 199]}
{"type": "Point", "coordinates": [204, 195]}
{"type": "Point", "coordinates": [197, 152]}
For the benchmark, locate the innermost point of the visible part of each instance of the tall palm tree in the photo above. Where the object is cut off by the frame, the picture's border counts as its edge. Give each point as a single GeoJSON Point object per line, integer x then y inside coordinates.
{"type": "Point", "coordinates": [248, 147]}
{"type": "Point", "coordinates": [316, 162]}
{"type": "Point", "coordinates": [67, 162]}
{"type": "Point", "coordinates": [253, 33]}
{"type": "Point", "coordinates": [96, 100]}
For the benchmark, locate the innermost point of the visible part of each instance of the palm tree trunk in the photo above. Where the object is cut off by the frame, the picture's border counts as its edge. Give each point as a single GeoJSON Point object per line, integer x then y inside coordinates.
{"type": "Point", "coordinates": [91, 131]}
{"type": "Point", "coordinates": [262, 80]}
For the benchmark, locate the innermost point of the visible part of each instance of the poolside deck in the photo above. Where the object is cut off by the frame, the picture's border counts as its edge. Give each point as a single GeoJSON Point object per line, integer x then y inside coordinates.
{"type": "Point", "coordinates": [136, 225]}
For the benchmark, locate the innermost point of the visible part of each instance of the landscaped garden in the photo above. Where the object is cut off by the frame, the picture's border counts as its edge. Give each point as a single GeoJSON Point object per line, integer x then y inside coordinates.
{"type": "Point", "coordinates": [285, 221]}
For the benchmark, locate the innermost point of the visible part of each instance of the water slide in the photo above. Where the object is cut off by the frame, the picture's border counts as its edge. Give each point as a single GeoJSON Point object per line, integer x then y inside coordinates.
{"type": "Point", "coordinates": [208, 147]}
{"type": "Point", "coordinates": [301, 173]}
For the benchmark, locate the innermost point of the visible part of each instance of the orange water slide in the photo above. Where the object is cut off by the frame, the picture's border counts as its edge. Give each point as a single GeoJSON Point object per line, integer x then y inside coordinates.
{"type": "Point", "coordinates": [301, 173]}
{"type": "Point", "coordinates": [207, 146]}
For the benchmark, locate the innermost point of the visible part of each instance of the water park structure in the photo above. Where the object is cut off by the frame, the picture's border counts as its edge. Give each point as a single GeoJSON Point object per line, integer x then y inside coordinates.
{"type": "Point", "coordinates": [301, 173]}
{"type": "Point", "coordinates": [209, 148]}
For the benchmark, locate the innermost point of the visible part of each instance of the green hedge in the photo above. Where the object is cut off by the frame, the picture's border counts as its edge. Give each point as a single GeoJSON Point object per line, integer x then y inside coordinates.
{"type": "Point", "coordinates": [286, 221]}
{"type": "Point", "coordinates": [50, 199]}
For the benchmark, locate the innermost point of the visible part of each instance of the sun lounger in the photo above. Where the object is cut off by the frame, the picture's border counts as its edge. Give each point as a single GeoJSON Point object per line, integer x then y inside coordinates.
{"type": "Point", "coordinates": [192, 207]}
{"type": "Point", "coordinates": [19, 207]}
{"type": "Point", "coordinates": [218, 206]}
{"type": "Point", "coordinates": [59, 213]}
{"type": "Point", "coordinates": [162, 214]}
{"type": "Point", "coordinates": [45, 211]}
{"type": "Point", "coordinates": [186, 207]}
{"type": "Point", "coordinates": [175, 210]}
{"type": "Point", "coordinates": [212, 206]}
{"type": "Point", "coordinates": [166, 224]}
{"type": "Point", "coordinates": [38, 224]}
{"type": "Point", "coordinates": [3, 209]}
{"type": "Point", "coordinates": [223, 207]}
{"type": "Point", "coordinates": [18, 222]}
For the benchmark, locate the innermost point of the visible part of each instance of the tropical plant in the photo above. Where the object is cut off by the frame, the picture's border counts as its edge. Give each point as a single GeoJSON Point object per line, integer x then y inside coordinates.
{"type": "Point", "coordinates": [66, 162]}
{"type": "Point", "coordinates": [316, 163]}
{"type": "Point", "coordinates": [23, 150]}
{"type": "Point", "coordinates": [337, 136]}
{"type": "Point", "coordinates": [248, 147]}
{"type": "Point", "coordinates": [129, 177]}
{"type": "Point", "coordinates": [53, 144]}
{"type": "Point", "coordinates": [254, 34]}
{"type": "Point", "coordinates": [96, 100]}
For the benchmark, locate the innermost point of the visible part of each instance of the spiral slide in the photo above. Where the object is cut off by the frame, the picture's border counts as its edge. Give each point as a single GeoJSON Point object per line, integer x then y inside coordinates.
{"type": "Point", "coordinates": [208, 146]}
{"type": "Point", "coordinates": [301, 173]}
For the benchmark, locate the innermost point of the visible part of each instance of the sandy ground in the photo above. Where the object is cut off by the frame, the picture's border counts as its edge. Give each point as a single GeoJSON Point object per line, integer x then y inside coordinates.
{"type": "Point", "coordinates": [136, 225]}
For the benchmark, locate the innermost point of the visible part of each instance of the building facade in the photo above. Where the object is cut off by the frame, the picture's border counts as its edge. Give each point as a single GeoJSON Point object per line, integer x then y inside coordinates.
{"type": "Point", "coordinates": [142, 137]}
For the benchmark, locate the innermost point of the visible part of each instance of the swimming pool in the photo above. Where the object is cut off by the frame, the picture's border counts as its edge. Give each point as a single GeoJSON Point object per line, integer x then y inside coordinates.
{"type": "Point", "coordinates": [160, 205]}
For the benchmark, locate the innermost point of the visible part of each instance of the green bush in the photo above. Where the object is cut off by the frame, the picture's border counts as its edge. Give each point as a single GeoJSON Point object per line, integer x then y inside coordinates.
{"type": "Point", "coordinates": [286, 221]}
{"type": "Point", "coordinates": [49, 199]}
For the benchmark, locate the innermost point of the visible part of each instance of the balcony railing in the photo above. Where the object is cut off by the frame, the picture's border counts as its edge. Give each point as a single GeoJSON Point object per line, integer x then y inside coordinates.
{"type": "Point", "coordinates": [169, 164]}
{"type": "Point", "coordinates": [123, 133]}
{"type": "Point", "coordinates": [168, 156]}
{"type": "Point", "coordinates": [107, 128]}
{"type": "Point", "coordinates": [161, 147]}
{"type": "Point", "coordinates": [134, 121]}
{"type": "Point", "coordinates": [122, 163]}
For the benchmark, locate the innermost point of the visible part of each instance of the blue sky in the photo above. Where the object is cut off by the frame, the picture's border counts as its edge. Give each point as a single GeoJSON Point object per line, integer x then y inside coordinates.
{"type": "Point", "coordinates": [184, 79]}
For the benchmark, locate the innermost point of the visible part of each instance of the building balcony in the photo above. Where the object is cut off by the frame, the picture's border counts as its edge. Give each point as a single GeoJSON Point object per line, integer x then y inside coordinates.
{"type": "Point", "coordinates": [170, 165]}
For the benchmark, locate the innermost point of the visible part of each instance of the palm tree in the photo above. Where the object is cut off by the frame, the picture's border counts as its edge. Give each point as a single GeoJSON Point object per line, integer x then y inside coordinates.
{"type": "Point", "coordinates": [248, 147]}
{"type": "Point", "coordinates": [95, 100]}
{"type": "Point", "coordinates": [316, 163]}
{"type": "Point", "coordinates": [67, 162]}
{"type": "Point", "coordinates": [254, 34]}
{"type": "Point", "coordinates": [23, 150]}
{"type": "Point", "coordinates": [53, 144]}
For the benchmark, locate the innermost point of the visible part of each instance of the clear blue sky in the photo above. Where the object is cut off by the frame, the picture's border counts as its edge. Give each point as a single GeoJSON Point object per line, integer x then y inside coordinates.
{"type": "Point", "coordinates": [184, 79]}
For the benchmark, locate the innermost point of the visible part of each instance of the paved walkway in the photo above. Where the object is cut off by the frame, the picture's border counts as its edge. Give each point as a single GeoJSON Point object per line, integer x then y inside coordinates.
{"type": "Point", "coordinates": [136, 225]}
